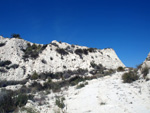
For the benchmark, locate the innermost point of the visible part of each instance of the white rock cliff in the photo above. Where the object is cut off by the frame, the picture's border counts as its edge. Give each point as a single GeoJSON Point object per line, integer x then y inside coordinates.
{"type": "Point", "coordinates": [49, 60]}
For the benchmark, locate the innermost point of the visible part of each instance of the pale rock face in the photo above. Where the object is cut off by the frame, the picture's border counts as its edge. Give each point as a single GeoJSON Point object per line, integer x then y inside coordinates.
{"type": "Point", "coordinates": [146, 64]}
{"type": "Point", "coordinates": [12, 50]}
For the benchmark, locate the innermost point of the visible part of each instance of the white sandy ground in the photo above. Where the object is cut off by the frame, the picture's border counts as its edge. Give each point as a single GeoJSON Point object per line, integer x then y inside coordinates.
{"type": "Point", "coordinates": [103, 95]}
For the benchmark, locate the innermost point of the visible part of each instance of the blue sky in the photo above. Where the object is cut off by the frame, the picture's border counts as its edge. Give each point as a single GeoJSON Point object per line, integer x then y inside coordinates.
{"type": "Point", "coordinates": [123, 25]}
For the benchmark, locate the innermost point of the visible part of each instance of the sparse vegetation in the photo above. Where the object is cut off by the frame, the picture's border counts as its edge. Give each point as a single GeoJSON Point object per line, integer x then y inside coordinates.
{"type": "Point", "coordinates": [21, 100]}
{"type": "Point", "coordinates": [28, 110]}
{"type": "Point", "coordinates": [16, 36]}
{"type": "Point", "coordinates": [14, 66]}
{"type": "Point", "coordinates": [60, 102]}
{"type": "Point", "coordinates": [5, 63]}
{"type": "Point", "coordinates": [6, 101]}
{"type": "Point", "coordinates": [62, 51]}
{"type": "Point", "coordinates": [91, 49]}
{"type": "Point", "coordinates": [33, 51]}
{"type": "Point", "coordinates": [145, 71]}
{"type": "Point", "coordinates": [109, 72]}
{"type": "Point", "coordinates": [4, 83]}
{"type": "Point", "coordinates": [43, 61]}
{"type": "Point", "coordinates": [10, 100]}
{"type": "Point", "coordinates": [81, 85]}
{"type": "Point", "coordinates": [35, 86]}
{"type": "Point", "coordinates": [75, 80]}
{"type": "Point", "coordinates": [130, 77]}
{"type": "Point", "coordinates": [2, 70]}
{"type": "Point", "coordinates": [79, 51]}
{"type": "Point", "coordinates": [102, 103]}
{"type": "Point", "coordinates": [54, 44]}
{"type": "Point", "coordinates": [2, 44]}
{"type": "Point", "coordinates": [34, 76]}
{"type": "Point", "coordinates": [97, 66]}
{"type": "Point", "coordinates": [120, 69]}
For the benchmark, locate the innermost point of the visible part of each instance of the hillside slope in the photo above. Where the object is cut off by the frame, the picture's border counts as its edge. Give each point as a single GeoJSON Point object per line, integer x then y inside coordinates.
{"type": "Point", "coordinates": [26, 58]}
{"type": "Point", "coordinates": [103, 95]}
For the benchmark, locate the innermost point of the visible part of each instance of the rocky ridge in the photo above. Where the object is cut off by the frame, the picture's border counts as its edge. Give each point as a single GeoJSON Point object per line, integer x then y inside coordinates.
{"type": "Point", "coordinates": [26, 58]}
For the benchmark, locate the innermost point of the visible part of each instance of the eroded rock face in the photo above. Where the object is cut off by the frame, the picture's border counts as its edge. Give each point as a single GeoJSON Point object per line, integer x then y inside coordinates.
{"type": "Point", "coordinates": [145, 68]}
{"type": "Point", "coordinates": [26, 58]}
{"type": "Point", "coordinates": [146, 63]}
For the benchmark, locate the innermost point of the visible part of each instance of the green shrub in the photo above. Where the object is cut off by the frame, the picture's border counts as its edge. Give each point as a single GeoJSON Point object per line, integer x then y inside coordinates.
{"type": "Point", "coordinates": [145, 71]}
{"type": "Point", "coordinates": [60, 103]}
{"type": "Point", "coordinates": [91, 49]}
{"type": "Point", "coordinates": [10, 100]}
{"type": "Point", "coordinates": [4, 83]}
{"type": "Point", "coordinates": [33, 51]}
{"type": "Point", "coordinates": [28, 110]}
{"type": "Point", "coordinates": [81, 85]}
{"type": "Point", "coordinates": [81, 71]}
{"type": "Point", "coordinates": [21, 100]}
{"type": "Point", "coordinates": [2, 70]}
{"type": "Point", "coordinates": [14, 66]}
{"type": "Point", "coordinates": [35, 86]}
{"type": "Point", "coordinates": [5, 63]}
{"type": "Point", "coordinates": [6, 101]}
{"type": "Point", "coordinates": [102, 103]}
{"type": "Point", "coordinates": [75, 80]}
{"type": "Point", "coordinates": [15, 36]}
{"type": "Point", "coordinates": [130, 77]}
{"type": "Point", "coordinates": [119, 69]}
{"type": "Point", "coordinates": [109, 72]}
{"type": "Point", "coordinates": [62, 51]}
{"type": "Point", "coordinates": [34, 76]}
{"type": "Point", "coordinates": [2, 44]}
{"type": "Point", "coordinates": [43, 61]}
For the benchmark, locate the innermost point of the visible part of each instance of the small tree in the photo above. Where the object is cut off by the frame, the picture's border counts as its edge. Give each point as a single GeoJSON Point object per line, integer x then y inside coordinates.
{"type": "Point", "coordinates": [15, 36]}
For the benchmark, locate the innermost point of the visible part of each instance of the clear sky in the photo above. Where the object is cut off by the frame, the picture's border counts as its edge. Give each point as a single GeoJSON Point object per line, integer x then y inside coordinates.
{"type": "Point", "coordinates": [123, 25]}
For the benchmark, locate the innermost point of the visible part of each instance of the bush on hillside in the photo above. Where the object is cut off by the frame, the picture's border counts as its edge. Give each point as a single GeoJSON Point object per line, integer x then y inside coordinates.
{"type": "Point", "coordinates": [2, 44]}
{"type": "Point", "coordinates": [15, 36]}
{"type": "Point", "coordinates": [34, 76]}
{"type": "Point", "coordinates": [130, 77]}
{"type": "Point", "coordinates": [145, 71]}
{"type": "Point", "coordinates": [33, 51]}
{"type": "Point", "coordinates": [35, 86]}
{"type": "Point", "coordinates": [4, 83]}
{"type": "Point", "coordinates": [91, 49]}
{"type": "Point", "coordinates": [14, 66]}
{"type": "Point", "coordinates": [81, 85]}
{"type": "Point", "coordinates": [62, 51]}
{"type": "Point", "coordinates": [6, 101]}
{"type": "Point", "coordinates": [21, 100]}
{"type": "Point", "coordinates": [119, 69]}
{"type": "Point", "coordinates": [43, 61]}
{"type": "Point", "coordinates": [2, 70]}
{"type": "Point", "coordinates": [5, 63]}
{"type": "Point", "coordinates": [60, 102]}
{"type": "Point", "coordinates": [9, 101]}
{"type": "Point", "coordinates": [79, 51]}
{"type": "Point", "coordinates": [75, 80]}
{"type": "Point", "coordinates": [98, 67]}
